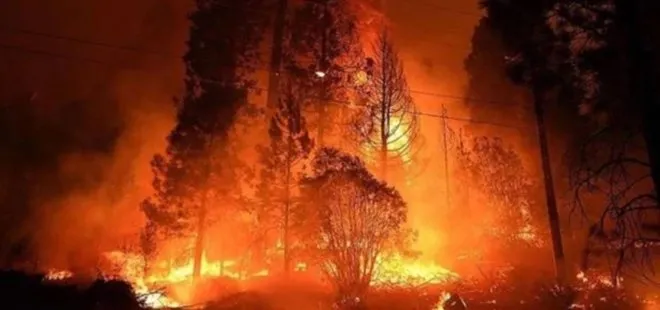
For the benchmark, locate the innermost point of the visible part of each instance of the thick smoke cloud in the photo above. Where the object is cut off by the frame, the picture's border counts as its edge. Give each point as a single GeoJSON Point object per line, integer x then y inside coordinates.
{"type": "Point", "coordinates": [77, 136]}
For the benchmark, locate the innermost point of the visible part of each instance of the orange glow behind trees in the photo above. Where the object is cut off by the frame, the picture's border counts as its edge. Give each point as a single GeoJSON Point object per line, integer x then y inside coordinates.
{"type": "Point", "coordinates": [390, 136]}
{"type": "Point", "coordinates": [386, 123]}
{"type": "Point", "coordinates": [357, 219]}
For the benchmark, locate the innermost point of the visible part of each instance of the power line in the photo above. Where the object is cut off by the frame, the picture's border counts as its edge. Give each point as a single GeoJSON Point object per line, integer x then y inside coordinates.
{"type": "Point", "coordinates": [84, 41]}
{"type": "Point", "coordinates": [136, 50]}
{"type": "Point", "coordinates": [50, 54]}
{"type": "Point", "coordinates": [426, 114]}
{"type": "Point", "coordinates": [168, 55]}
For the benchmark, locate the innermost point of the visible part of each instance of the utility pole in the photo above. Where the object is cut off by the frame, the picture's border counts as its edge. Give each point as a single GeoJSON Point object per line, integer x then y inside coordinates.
{"type": "Point", "coordinates": [444, 142]}
{"type": "Point", "coordinates": [551, 200]}
{"type": "Point", "coordinates": [276, 57]}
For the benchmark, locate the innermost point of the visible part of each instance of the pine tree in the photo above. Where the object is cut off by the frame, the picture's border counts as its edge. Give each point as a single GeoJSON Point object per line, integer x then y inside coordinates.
{"type": "Point", "coordinates": [387, 123]}
{"type": "Point", "coordinates": [196, 169]}
{"type": "Point", "coordinates": [289, 144]}
{"type": "Point", "coordinates": [533, 52]}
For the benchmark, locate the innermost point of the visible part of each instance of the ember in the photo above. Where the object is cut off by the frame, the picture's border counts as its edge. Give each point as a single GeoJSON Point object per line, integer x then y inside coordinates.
{"type": "Point", "coordinates": [58, 275]}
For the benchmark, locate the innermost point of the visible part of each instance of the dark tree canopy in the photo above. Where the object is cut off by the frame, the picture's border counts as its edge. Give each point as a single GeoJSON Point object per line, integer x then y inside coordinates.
{"type": "Point", "coordinates": [323, 37]}
{"type": "Point", "coordinates": [196, 175]}
{"type": "Point", "coordinates": [276, 205]}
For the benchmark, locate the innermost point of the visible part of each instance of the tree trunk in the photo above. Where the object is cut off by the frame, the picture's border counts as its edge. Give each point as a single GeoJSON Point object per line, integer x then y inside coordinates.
{"type": "Point", "coordinates": [321, 111]}
{"type": "Point", "coordinates": [642, 78]}
{"type": "Point", "coordinates": [385, 134]}
{"type": "Point", "coordinates": [551, 200]}
{"type": "Point", "coordinates": [383, 162]}
{"type": "Point", "coordinates": [276, 56]}
{"type": "Point", "coordinates": [199, 241]}
{"type": "Point", "coordinates": [287, 202]}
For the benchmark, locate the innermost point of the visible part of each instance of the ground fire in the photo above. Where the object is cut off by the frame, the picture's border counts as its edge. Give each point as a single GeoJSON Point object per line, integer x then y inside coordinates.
{"type": "Point", "coordinates": [334, 154]}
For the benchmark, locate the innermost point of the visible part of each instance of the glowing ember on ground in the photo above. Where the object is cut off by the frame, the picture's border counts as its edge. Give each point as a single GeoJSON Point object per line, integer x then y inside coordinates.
{"type": "Point", "coordinates": [153, 299]}
{"type": "Point", "coordinates": [594, 281]}
{"type": "Point", "coordinates": [399, 270]}
{"type": "Point", "coordinates": [58, 275]}
{"type": "Point", "coordinates": [131, 270]}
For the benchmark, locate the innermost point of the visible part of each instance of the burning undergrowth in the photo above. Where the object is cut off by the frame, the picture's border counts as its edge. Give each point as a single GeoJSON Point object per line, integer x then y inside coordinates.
{"type": "Point", "coordinates": [400, 284]}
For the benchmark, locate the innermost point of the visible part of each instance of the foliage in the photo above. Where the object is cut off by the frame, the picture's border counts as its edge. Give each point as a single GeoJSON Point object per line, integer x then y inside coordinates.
{"type": "Point", "coordinates": [357, 218]}
{"type": "Point", "coordinates": [197, 170]}
{"type": "Point", "coordinates": [386, 126]}
{"type": "Point", "coordinates": [289, 144]}
{"type": "Point", "coordinates": [533, 53]}
{"type": "Point", "coordinates": [312, 23]}
{"type": "Point", "coordinates": [491, 94]}
{"type": "Point", "coordinates": [496, 170]}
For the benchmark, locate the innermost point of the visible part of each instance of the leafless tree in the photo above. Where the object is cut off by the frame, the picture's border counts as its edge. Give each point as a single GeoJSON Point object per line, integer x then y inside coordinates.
{"type": "Point", "coordinates": [610, 169]}
{"type": "Point", "coordinates": [358, 218]}
{"type": "Point", "coordinates": [386, 126]}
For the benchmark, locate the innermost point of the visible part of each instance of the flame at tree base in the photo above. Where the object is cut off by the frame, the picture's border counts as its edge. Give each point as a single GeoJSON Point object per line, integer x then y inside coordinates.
{"type": "Point", "coordinates": [400, 271]}
{"type": "Point", "coordinates": [394, 271]}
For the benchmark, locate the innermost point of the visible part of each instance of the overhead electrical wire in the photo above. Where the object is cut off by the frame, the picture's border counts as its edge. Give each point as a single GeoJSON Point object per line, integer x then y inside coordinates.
{"type": "Point", "coordinates": [149, 52]}
{"type": "Point", "coordinates": [136, 50]}
{"type": "Point", "coordinates": [420, 113]}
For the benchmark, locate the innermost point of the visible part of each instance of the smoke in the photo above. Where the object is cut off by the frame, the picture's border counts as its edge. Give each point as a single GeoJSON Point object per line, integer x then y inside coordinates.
{"type": "Point", "coordinates": [74, 157]}
{"type": "Point", "coordinates": [82, 171]}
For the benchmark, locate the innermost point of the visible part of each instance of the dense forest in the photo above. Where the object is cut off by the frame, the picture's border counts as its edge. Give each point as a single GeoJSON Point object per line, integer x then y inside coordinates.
{"type": "Point", "coordinates": [302, 170]}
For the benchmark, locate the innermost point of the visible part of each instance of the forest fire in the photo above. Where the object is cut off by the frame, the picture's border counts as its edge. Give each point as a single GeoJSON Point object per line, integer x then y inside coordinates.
{"type": "Point", "coordinates": [54, 275]}
{"type": "Point", "coordinates": [397, 270]}
{"type": "Point", "coordinates": [170, 282]}
{"type": "Point", "coordinates": [152, 290]}
{"type": "Point", "coordinates": [317, 151]}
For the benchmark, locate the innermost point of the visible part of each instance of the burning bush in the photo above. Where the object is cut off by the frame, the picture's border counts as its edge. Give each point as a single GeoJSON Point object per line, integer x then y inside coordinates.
{"type": "Point", "coordinates": [357, 218]}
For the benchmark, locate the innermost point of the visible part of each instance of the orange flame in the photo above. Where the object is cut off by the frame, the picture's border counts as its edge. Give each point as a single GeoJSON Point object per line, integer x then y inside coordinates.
{"type": "Point", "coordinates": [55, 275]}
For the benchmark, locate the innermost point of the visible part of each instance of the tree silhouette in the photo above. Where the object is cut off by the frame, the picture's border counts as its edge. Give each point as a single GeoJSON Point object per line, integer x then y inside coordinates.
{"type": "Point", "coordinates": [323, 39]}
{"type": "Point", "coordinates": [497, 171]}
{"type": "Point", "coordinates": [612, 166]}
{"type": "Point", "coordinates": [289, 144]}
{"type": "Point", "coordinates": [356, 217]}
{"type": "Point", "coordinates": [196, 170]}
{"type": "Point", "coordinates": [385, 125]}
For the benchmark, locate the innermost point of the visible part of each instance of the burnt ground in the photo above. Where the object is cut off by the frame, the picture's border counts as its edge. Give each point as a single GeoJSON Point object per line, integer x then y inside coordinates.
{"type": "Point", "coordinates": [19, 291]}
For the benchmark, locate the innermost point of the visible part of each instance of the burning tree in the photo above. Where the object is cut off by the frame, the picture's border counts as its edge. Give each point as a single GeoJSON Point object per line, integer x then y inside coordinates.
{"type": "Point", "coordinates": [324, 44]}
{"type": "Point", "coordinates": [289, 144]}
{"type": "Point", "coordinates": [358, 218]}
{"type": "Point", "coordinates": [497, 170]}
{"type": "Point", "coordinates": [196, 171]}
{"type": "Point", "coordinates": [387, 122]}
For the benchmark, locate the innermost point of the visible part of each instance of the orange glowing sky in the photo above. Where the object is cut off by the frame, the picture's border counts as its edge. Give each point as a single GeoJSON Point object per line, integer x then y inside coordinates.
{"type": "Point", "coordinates": [433, 37]}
